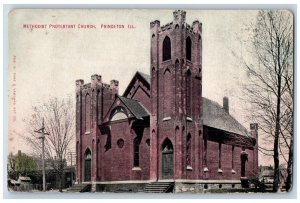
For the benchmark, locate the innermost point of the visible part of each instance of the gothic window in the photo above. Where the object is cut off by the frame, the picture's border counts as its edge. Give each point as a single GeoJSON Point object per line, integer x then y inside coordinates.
{"type": "Point", "coordinates": [166, 49]}
{"type": "Point", "coordinates": [99, 111]}
{"type": "Point", "coordinates": [136, 152]}
{"type": "Point", "coordinates": [87, 165]}
{"type": "Point", "coordinates": [220, 155]}
{"type": "Point", "coordinates": [188, 47]}
{"type": "Point", "coordinates": [88, 154]}
{"type": "Point", "coordinates": [167, 93]}
{"type": "Point", "coordinates": [97, 156]}
{"type": "Point", "coordinates": [232, 160]}
{"type": "Point", "coordinates": [188, 94]}
{"type": "Point", "coordinates": [77, 151]}
{"type": "Point", "coordinates": [205, 148]}
{"type": "Point", "coordinates": [87, 113]}
{"type": "Point", "coordinates": [188, 149]}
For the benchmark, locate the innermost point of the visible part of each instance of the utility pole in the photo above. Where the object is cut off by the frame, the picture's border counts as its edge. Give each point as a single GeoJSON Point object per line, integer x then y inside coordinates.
{"type": "Point", "coordinates": [42, 137]}
{"type": "Point", "coordinates": [71, 155]}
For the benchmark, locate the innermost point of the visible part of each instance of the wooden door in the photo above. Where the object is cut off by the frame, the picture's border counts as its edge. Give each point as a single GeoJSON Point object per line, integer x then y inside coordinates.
{"type": "Point", "coordinates": [87, 170]}
{"type": "Point", "coordinates": [167, 165]}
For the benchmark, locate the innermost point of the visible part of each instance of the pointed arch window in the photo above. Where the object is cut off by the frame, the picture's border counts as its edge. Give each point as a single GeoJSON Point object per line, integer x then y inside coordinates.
{"type": "Point", "coordinates": [87, 165]}
{"type": "Point", "coordinates": [166, 49]}
{"type": "Point", "coordinates": [188, 93]}
{"type": "Point", "coordinates": [188, 48]}
{"type": "Point", "coordinates": [87, 113]}
{"type": "Point", "coordinates": [88, 154]}
{"type": "Point", "coordinates": [188, 149]}
{"type": "Point", "coordinates": [167, 93]}
{"type": "Point", "coordinates": [136, 152]}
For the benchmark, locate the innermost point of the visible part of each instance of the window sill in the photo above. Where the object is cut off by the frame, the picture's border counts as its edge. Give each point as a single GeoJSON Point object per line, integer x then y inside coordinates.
{"type": "Point", "coordinates": [87, 133]}
{"type": "Point", "coordinates": [220, 170]}
{"type": "Point", "coordinates": [167, 118]}
{"type": "Point", "coordinates": [233, 171]}
{"type": "Point", "coordinates": [136, 169]}
{"type": "Point", "coordinates": [189, 168]}
{"type": "Point", "coordinates": [166, 61]}
{"type": "Point", "coordinates": [189, 119]}
{"type": "Point", "coordinates": [205, 169]}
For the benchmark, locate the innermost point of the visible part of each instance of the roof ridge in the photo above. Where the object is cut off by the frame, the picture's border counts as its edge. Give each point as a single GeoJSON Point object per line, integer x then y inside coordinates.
{"type": "Point", "coordinates": [128, 98]}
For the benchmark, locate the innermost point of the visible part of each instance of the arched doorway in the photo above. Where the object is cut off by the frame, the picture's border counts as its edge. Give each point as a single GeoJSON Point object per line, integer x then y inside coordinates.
{"type": "Point", "coordinates": [87, 165]}
{"type": "Point", "coordinates": [167, 160]}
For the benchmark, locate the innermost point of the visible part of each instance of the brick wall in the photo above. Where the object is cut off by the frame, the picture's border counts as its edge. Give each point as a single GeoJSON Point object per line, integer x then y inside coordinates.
{"type": "Point", "coordinates": [117, 163]}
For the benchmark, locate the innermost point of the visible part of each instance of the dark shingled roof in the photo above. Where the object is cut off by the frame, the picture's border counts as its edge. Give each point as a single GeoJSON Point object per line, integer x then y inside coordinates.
{"type": "Point", "coordinates": [136, 108]}
{"type": "Point", "coordinates": [216, 117]}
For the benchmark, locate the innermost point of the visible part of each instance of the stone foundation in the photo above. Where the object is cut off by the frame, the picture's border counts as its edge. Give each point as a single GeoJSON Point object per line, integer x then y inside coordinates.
{"type": "Point", "coordinates": [204, 187]}
{"type": "Point", "coordinates": [121, 187]}
{"type": "Point", "coordinates": [179, 187]}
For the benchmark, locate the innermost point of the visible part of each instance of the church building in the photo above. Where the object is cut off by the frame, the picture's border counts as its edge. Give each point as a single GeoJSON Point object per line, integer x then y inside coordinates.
{"type": "Point", "coordinates": [161, 129]}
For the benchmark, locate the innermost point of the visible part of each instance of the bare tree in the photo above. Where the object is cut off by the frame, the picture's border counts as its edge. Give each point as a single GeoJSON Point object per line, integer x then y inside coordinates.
{"type": "Point", "coordinates": [269, 66]}
{"type": "Point", "coordinates": [59, 117]}
{"type": "Point", "coordinates": [287, 129]}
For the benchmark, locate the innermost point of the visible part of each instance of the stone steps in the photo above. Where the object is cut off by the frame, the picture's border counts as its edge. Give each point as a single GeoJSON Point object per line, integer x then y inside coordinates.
{"type": "Point", "coordinates": [158, 187]}
{"type": "Point", "coordinates": [80, 188]}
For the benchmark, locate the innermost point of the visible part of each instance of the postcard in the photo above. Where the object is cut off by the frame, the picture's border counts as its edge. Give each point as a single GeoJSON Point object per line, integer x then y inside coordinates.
{"type": "Point", "coordinates": [150, 100]}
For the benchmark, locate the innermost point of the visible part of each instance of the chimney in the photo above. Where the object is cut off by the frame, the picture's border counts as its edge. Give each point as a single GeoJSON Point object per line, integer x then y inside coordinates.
{"type": "Point", "coordinates": [254, 127]}
{"type": "Point", "coordinates": [226, 104]}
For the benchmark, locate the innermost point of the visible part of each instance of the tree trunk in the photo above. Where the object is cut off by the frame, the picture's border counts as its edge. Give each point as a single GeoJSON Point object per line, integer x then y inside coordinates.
{"type": "Point", "coordinates": [277, 126]}
{"type": "Point", "coordinates": [290, 165]}
{"type": "Point", "coordinates": [60, 181]}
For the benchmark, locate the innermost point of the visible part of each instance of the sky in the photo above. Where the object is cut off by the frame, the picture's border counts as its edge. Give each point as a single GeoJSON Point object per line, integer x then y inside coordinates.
{"type": "Point", "coordinates": [46, 62]}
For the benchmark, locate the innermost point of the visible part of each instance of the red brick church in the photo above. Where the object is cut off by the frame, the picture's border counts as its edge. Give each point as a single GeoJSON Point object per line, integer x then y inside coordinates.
{"type": "Point", "coordinates": [161, 128]}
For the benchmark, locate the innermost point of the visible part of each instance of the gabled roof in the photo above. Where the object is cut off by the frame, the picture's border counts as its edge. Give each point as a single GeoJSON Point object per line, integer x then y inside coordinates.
{"type": "Point", "coordinates": [136, 108]}
{"type": "Point", "coordinates": [145, 76]}
{"type": "Point", "coordinates": [138, 75]}
{"type": "Point", "coordinates": [213, 114]}
{"type": "Point", "coordinates": [216, 117]}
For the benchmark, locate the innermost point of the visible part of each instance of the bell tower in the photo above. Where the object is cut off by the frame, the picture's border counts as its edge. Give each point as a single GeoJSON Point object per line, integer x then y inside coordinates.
{"type": "Point", "coordinates": [176, 95]}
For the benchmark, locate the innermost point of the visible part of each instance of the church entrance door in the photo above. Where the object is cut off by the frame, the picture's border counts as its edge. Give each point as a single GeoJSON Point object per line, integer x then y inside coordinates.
{"type": "Point", "coordinates": [167, 160]}
{"type": "Point", "coordinates": [87, 166]}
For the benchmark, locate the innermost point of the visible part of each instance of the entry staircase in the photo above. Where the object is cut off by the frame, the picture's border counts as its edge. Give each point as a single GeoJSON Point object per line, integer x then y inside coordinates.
{"type": "Point", "coordinates": [80, 188]}
{"type": "Point", "coordinates": [159, 187]}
